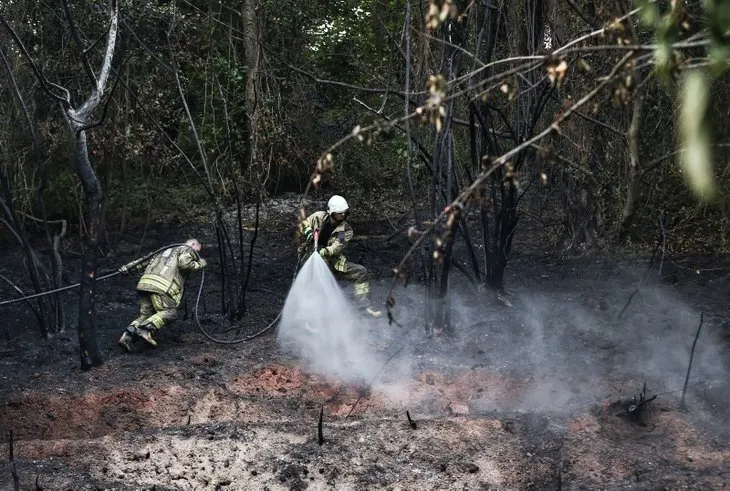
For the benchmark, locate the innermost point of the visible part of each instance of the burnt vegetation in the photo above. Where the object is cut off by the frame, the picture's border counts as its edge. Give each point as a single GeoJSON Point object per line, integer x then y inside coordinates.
{"type": "Point", "coordinates": [486, 148]}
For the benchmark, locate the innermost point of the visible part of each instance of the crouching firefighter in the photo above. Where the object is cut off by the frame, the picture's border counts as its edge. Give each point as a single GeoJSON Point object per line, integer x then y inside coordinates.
{"type": "Point", "coordinates": [333, 234]}
{"type": "Point", "coordinates": [160, 290]}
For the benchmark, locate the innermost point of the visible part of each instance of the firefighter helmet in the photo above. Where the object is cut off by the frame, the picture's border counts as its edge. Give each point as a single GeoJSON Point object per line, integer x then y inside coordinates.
{"type": "Point", "coordinates": [337, 204]}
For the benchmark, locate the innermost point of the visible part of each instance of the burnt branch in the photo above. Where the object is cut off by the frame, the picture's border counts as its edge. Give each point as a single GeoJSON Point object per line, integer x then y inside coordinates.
{"type": "Point", "coordinates": [11, 459]}
{"type": "Point", "coordinates": [411, 423]}
{"type": "Point", "coordinates": [498, 163]}
{"type": "Point", "coordinates": [62, 95]}
{"type": "Point", "coordinates": [659, 243]}
{"type": "Point", "coordinates": [633, 409]}
{"type": "Point", "coordinates": [582, 115]}
{"type": "Point", "coordinates": [320, 433]}
{"type": "Point", "coordinates": [579, 11]}
{"type": "Point", "coordinates": [98, 122]}
{"type": "Point", "coordinates": [22, 294]}
{"type": "Point", "coordinates": [691, 357]}
{"type": "Point", "coordinates": [366, 389]}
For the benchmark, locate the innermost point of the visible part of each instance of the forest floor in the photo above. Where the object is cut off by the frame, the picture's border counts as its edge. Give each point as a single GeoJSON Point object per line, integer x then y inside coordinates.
{"type": "Point", "coordinates": [533, 396]}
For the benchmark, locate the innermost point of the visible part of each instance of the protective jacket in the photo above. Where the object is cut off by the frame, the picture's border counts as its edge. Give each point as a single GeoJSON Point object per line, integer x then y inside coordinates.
{"type": "Point", "coordinates": [165, 273]}
{"type": "Point", "coordinates": [336, 242]}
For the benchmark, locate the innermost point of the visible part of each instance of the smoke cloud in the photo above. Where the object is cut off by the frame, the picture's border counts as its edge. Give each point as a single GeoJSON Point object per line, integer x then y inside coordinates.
{"type": "Point", "coordinates": [561, 347]}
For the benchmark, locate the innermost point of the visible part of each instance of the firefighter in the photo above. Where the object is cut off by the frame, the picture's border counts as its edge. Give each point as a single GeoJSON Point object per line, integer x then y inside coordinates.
{"type": "Point", "coordinates": [334, 235]}
{"type": "Point", "coordinates": [160, 290]}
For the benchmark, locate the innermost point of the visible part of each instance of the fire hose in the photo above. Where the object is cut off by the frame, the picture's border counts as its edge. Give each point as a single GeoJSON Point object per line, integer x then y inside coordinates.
{"type": "Point", "coordinates": [197, 300]}
{"type": "Point", "coordinates": [76, 285]}
{"type": "Point", "coordinates": [300, 261]}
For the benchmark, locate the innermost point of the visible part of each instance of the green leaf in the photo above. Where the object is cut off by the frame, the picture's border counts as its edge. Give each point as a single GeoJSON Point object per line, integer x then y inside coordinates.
{"type": "Point", "coordinates": [649, 13]}
{"type": "Point", "coordinates": [695, 135]}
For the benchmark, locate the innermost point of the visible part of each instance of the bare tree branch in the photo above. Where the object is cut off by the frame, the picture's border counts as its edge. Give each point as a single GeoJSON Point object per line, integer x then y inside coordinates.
{"type": "Point", "coordinates": [77, 39]}
{"type": "Point", "coordinates": [499, 162]}
{"type": "Point", "coordinates": [578, 10]}
{"type": "Point", "coordinates": [65, 96]}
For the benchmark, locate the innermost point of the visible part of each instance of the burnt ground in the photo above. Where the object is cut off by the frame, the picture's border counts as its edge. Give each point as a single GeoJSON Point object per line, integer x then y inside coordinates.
{"type": "Point", "coordinates": [528, 397]}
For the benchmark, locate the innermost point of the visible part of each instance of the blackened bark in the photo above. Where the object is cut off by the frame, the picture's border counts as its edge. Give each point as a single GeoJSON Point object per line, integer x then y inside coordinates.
{"type": "Point", "coordinates": [80, 119]}
{"type": "Point", "coordinates": [499, 236]}
{"type": "Point", "coordinates": [30, 255]}
{"type": "Point", "coordinates": [506, 219]}
{"type": "Point", "coordinates": [88, 344]}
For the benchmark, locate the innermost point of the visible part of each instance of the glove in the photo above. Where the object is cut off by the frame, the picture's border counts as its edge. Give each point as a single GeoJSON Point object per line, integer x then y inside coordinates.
{"type": "Point", "coordinates": [124, 269]}
{"type": "Point", "coordinates": [308, 235]}
{"type": "Point", "coordinates": [323, 252]}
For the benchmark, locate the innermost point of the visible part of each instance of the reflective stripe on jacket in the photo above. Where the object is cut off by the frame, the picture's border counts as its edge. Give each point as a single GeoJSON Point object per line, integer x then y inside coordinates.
{"type": "Point", "coordinates": [337, 241]}
{"type": "Point", "coordinates": [167, 271]}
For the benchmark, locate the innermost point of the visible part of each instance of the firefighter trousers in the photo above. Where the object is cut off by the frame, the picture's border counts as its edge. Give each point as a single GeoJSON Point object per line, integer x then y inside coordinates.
{"type": "Point", "coordinates": [155, 311]}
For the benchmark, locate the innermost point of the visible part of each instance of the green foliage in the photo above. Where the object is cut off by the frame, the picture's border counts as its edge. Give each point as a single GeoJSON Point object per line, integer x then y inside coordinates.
{"type": "Point", "coordinates": [695, 135]}
{"type": "Point", "coordinates": [695, 125]}
{"type": "Point", "coordinates": [360, 44]}
{"type": "Point", "coordinates": [667, 28]}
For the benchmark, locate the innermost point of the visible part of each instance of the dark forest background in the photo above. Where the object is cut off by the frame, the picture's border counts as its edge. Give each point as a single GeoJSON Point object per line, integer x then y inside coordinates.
{"type": "Point", "coordinates": [603, 122]}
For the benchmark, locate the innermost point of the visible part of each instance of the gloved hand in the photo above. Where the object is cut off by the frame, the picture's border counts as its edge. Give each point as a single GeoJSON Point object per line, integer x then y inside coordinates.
{"type": "Point", "coordinates": [308, 235]}
{"type": "Point", "coordinates": [323, 252]}
{"type": "Point", "coordinates": [124, 269]}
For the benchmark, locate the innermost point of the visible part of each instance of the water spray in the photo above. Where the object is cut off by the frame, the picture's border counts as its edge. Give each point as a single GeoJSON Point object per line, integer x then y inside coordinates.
{"type": "Point", "coordinates": [271, 324]}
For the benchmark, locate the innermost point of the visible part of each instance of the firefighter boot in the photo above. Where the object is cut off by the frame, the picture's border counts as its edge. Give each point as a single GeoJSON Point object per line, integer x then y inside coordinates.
{"type": "Point", "coordinates": [127, 342]}
{"type": "Point", "coordinates": [367, 307]}
{"type": "Point", "coordinates": [373, 312]}
{"type": "Point", "coordinates": [362, 294]}
{"type": "Point", "coordinates": [145, 333]}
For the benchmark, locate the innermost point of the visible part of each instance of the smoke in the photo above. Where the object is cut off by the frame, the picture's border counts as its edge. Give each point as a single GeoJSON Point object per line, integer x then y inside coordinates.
{"type": "Point", "coordinates": [561, 347]}
{"type": "Point", "coordinates": [320, 325]}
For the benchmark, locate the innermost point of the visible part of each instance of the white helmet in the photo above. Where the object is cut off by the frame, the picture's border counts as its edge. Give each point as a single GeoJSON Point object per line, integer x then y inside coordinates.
{"type": "Point", "coordinates": [337, 204]}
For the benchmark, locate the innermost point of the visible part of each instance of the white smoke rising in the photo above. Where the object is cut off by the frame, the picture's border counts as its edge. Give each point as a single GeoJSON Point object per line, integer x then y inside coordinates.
{"type": "Point", "coordinates": [321, 326]}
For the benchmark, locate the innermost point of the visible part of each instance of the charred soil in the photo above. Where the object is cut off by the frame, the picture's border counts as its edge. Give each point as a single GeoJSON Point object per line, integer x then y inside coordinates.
{"type": "Point", "coordinates": [533, 396]}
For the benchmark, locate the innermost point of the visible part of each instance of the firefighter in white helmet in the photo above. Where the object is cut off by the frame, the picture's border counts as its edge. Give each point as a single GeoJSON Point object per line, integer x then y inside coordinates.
{"type": "Point", "coordinates": [334, 235]}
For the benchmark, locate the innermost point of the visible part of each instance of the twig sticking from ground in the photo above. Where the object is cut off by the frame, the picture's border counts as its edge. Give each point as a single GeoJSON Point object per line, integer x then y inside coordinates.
{"type": "Point", "coordinates": [320, 433]}
{"type": "Point", "coordinates": [648, 269]}
{"type": "Point", "coordinates": [410, 421]}
{"type": "Point", "coordinates": [662, 226]}
{"type": "Point", "coordinates": [691, 356]}
{"type": "Point", "coordinates": [367, 389]}
{"type": "Point", "coordinates": [636, 405]}
{"type": "Point", "coordinates": [13, 470]}
{"type": "Point", "coordinates": [633, 409]}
